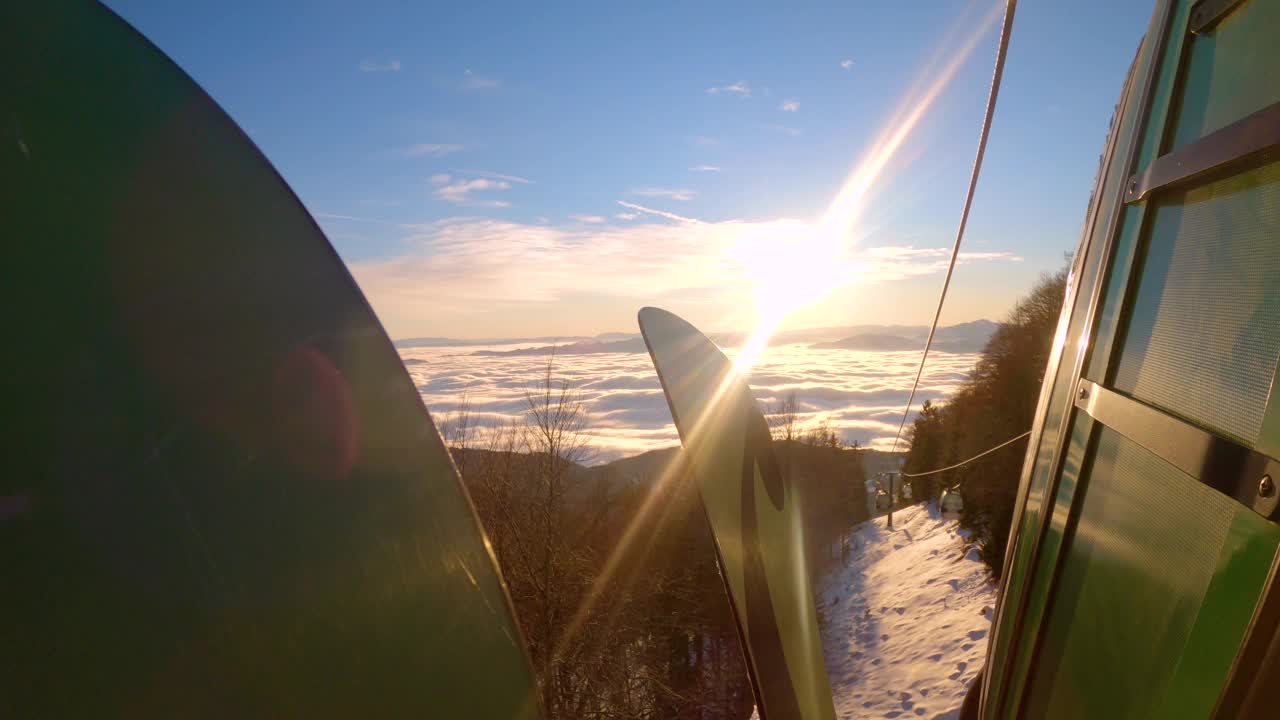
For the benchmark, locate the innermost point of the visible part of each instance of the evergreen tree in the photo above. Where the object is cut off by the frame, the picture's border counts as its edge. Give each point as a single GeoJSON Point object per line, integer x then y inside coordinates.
{"type": "Point", "coordinates": [996, 402]}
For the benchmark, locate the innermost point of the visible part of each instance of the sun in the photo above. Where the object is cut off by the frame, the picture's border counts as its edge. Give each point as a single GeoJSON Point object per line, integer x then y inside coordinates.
{"type": "Point", "coordinates": [790, 265]}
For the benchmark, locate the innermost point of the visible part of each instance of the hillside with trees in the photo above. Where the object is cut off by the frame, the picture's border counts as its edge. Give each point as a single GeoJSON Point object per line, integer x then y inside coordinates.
{"type": "Point", "coordinates": [612, 569]}
{"type": "Point", "coordinates": [995, 403]}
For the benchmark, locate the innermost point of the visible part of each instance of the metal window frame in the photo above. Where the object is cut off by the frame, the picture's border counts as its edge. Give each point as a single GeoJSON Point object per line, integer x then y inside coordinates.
{"type": "Point", "coordinates": [1228, 467]}
{"type": "Point", "coordinates": [1206, 14]}
{"type": "Point", "coordinates": [1252, 140]}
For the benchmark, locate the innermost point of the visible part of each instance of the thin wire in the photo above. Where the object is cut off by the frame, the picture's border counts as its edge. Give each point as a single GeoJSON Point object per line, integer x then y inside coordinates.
{"type": "Point", "coordinates": [1009, 8]}
{"type": "Point", "coordinates": [988, 451]}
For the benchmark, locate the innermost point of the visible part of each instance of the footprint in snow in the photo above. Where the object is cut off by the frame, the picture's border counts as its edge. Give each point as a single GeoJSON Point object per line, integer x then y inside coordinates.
{"type": "Point", "coordinates": [955, 584]}
{"type": "Point", "coordinates": [936, 657]}
{"type": "Point", "coordinates": [884, 637]}
{"type": "Point", "coordinates": [877, 662]}
{"type": "Point", "coordinates": [960, 666]}
{"type": "Point", "coordinates": [921, 711]}
{"type": "Point", "coordinates": [899, 610]}
{"type": "Point", "coordinates": [977, 634]}
{"type": "Point", "coordinates": [893, 713]}
{"type": "Point", "coordinates": [966, 647]}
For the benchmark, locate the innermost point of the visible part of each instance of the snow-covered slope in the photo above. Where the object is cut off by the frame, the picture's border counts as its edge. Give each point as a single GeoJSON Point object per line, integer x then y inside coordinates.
{"type": "Point", "coordinates": [906, 620]}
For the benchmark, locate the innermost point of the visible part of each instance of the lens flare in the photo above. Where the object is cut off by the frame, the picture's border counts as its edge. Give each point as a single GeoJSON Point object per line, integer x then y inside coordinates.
{"type": "Point", "coordinates": [800, 265]}
{"type": "Point", "coordinates": [808, 261]}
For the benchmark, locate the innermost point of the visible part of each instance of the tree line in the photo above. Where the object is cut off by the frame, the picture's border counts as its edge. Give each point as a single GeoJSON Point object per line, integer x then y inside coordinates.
{"type": "Point", "coordinates": [996, 402]}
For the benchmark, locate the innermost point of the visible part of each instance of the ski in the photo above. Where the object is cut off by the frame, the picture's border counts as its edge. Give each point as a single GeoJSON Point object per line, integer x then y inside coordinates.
{"type": "Point", "coordinates": [754, 515]}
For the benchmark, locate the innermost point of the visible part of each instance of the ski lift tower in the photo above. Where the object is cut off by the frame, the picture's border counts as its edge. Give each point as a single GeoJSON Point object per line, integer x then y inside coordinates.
{"type": "Point", "coordinates": [895, 486]}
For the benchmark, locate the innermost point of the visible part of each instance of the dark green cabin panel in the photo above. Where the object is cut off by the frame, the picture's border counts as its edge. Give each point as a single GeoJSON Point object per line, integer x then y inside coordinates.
{"type": "Point", "coordinates": [1142, 563]}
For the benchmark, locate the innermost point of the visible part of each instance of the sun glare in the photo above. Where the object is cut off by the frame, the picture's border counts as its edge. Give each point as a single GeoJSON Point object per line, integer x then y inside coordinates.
{"type": "Point", "coordinates": [800, 263]}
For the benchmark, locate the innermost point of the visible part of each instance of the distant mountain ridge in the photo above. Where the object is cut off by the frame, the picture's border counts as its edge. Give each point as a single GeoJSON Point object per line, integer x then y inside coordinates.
{"type": "Point", "coordinates": [586, 347]}
{"type": "Point", "coordinates": [456, 342]}
{"type": "Point", "coordinates": [970, 337]}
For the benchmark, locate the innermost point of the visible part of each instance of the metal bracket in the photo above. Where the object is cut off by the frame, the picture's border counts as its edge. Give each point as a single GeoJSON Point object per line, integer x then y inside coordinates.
{"type": "Point", "coordinates": [1250, 139]}
{"type": "Point", "coordinates": [1233, 470]}
{"type": "Point", "coordinates": [1207, 13]}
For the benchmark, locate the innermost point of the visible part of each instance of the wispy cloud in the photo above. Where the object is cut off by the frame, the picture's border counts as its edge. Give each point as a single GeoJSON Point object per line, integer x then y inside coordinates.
{"type": "Point", "coordinates": [740, 89]}
{"type": "Point", "coordinates": [588, 219]}
{"type": "Point", "coordinates": [459, 191]}
{"type": "Point", "coordinates": [846, 63]}
{"type": "Point", "coordinates": [372, 66]}
{"type": "Point", "coordinates": [669, 193]}
{"type": "Point", "coordinates": [475, 81]}
{"type": "Point", "coordinates": [790, 105]}
{"type": "Point", "coordinates": [458, 272]}
{"type": "Point", "coordinates": [351, 218]}
{"type": "Point", "coordinates": [705, 168]}
{"type": "Point", "coordinates": [898, 253]}
{"type": "Point", "coordinates": [785, 130]}
{"type": "Point", "coordinates": [433, 149]}
{"type": "Point", "coordinates": [498, 176]}
{"type": "Point", "coordinates": [659, 213]}
{"type": "Point", "coordinates": [627, 215]}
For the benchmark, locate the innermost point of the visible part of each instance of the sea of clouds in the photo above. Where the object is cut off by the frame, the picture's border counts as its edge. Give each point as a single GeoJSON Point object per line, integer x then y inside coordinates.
{"type": "Point", "coordinates": [859, 394]}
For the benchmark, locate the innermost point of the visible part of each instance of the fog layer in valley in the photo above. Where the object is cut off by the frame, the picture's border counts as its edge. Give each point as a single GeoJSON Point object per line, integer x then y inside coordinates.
{"type": "Point", "coordinates": [860, 394]}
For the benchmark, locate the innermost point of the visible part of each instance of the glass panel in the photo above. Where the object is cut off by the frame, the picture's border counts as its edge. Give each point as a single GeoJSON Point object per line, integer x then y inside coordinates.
{"type": "Point", "coordinates": [1113, 295]}
{"type": "Point", "coordinates": [1230, 72]}
{"type": "Point", "coordinates": [1131, 218]}
{"type": "Point", "coordinates": [1220, 626]}
{"type": "Point", "coordinates": [1204, 331]}
{"type": "Point", "coordinates": [1146, 549]}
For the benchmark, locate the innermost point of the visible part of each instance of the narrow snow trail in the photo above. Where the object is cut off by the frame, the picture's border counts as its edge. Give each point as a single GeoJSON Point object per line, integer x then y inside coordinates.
{"type": "Point", "coordinates": [905, 622]}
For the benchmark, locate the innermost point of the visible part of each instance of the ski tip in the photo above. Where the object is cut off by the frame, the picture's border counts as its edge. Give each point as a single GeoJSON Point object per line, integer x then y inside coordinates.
{"type": "Point", "coordinates": [648, 313]}
{"type": "Point", "coordinates": [650, 318]}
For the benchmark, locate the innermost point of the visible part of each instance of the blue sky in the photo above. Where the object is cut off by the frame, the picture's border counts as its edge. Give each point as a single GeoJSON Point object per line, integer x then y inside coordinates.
{"type": "Point", "coordinates": [520, 170]}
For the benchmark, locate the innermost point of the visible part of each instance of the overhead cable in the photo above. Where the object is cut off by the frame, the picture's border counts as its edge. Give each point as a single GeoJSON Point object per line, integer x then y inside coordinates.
{"type": "Point", "coordinates": [1001, 53]}
{"type": "Point", "coordinates": [988, 451]}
